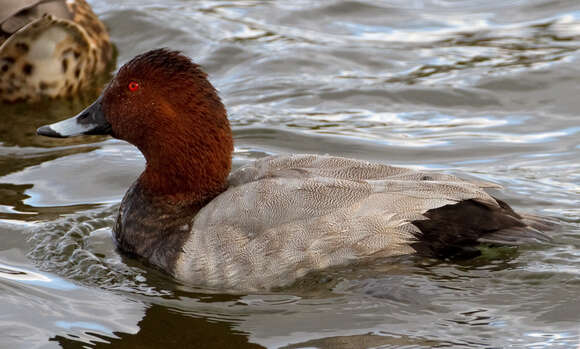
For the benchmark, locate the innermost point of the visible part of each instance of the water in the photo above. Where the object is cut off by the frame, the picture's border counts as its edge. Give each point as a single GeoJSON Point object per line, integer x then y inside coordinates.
{"type": "Point", "coordinates": [487, 89]}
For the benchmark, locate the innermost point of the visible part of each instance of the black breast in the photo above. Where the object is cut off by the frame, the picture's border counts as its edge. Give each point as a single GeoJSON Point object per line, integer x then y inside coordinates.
{"type": "Point", "coordinates": [152, 228]}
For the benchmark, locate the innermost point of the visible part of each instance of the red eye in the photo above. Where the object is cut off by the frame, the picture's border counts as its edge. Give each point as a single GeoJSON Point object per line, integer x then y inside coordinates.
{"type": "Point", "coordinates": [133, 86]}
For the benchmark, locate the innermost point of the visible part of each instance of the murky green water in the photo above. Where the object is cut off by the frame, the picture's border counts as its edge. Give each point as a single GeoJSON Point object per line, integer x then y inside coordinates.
{"type": "Point", "coordinates": [482, 88]}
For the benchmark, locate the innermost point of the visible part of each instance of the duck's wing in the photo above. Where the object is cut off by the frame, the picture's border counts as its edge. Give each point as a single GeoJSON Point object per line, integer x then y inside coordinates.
{"type": "Point", "coordinates": [470, 214]}
{"type": "Point", "coordinates": [15, 14]}
{"type": "Point", "coordinates": [310, 212]}
{"type": "Point", "coordinates": [9, 8]}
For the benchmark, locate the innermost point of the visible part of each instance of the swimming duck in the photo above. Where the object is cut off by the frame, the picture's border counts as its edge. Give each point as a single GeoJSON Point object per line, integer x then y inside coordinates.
{"type": "Point", "coordinates": [50, 48]}
{"type": "Point", "coordinates": [274, 220]}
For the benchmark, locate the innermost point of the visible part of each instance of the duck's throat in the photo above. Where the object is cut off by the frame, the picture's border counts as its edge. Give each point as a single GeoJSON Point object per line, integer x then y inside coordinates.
{"type": "Point", "coordinates": [184, 178]}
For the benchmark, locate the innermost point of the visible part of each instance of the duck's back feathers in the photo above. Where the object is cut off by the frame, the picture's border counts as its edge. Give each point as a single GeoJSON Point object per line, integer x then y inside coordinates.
{"type": "Point", "coordinates": [309, 212]}
{"type": "Point", "coordinates": [10, 8]}
{"type": "Point", "coordinates": [15, 14]}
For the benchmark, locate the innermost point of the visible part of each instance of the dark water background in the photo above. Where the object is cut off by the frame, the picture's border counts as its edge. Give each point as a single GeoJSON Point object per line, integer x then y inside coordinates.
{"type": "Point", "coordinates": [477, 87]}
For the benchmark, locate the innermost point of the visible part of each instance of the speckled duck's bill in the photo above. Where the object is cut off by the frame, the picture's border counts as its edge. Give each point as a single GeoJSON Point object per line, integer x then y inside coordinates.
{"type": "Point", "coordinates": [90, 121]}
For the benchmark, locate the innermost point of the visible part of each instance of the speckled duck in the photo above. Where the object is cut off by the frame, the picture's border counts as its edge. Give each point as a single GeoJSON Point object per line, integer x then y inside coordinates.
{"type": "Point", "coordinates": [50, 48]}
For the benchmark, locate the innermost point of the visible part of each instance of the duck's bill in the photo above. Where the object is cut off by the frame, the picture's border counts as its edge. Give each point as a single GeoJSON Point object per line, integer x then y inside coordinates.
{"type": "Point", "coordinates": [90, 121]}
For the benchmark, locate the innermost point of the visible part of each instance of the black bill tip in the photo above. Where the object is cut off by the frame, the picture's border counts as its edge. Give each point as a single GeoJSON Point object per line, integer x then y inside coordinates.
{"type": "Point", "coordinates": [48, 132]}
{"type": "Point", "coordinates": [90, 121]}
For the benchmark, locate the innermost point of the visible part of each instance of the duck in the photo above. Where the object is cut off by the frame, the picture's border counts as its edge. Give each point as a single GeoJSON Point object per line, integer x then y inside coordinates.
{"type": "Point", "coordinates": [50, 49]}
{"type": "Point", "coordinates": [268, 223]}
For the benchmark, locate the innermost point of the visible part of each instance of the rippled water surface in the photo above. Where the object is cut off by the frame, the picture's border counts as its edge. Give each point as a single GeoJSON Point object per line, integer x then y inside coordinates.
{"type": "Point", "coordinates": [478, 88]}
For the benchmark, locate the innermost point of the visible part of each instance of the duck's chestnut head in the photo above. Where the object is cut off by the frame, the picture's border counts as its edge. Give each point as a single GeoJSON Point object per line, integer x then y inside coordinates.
{"type": "Point", "coordinates": [157, 94]}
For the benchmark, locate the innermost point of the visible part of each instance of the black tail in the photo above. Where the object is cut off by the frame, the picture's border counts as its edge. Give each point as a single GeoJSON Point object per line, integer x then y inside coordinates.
{"type": "Point", "coordinates": [453, 231]}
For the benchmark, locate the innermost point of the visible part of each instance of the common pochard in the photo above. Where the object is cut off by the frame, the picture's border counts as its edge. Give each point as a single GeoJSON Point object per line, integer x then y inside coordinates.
{"type": "Point", "coordinates": [280, 217]}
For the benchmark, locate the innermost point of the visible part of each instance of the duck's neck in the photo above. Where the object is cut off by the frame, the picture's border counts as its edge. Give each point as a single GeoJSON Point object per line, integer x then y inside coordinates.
{"type": "Point", "coordinates": [188, 168]}
{"type": "Point", "coordinates": [185, 178]}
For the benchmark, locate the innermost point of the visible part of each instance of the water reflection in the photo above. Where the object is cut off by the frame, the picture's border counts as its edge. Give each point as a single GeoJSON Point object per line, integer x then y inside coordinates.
{"type": "Point", "coordinates": [162, 327]}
